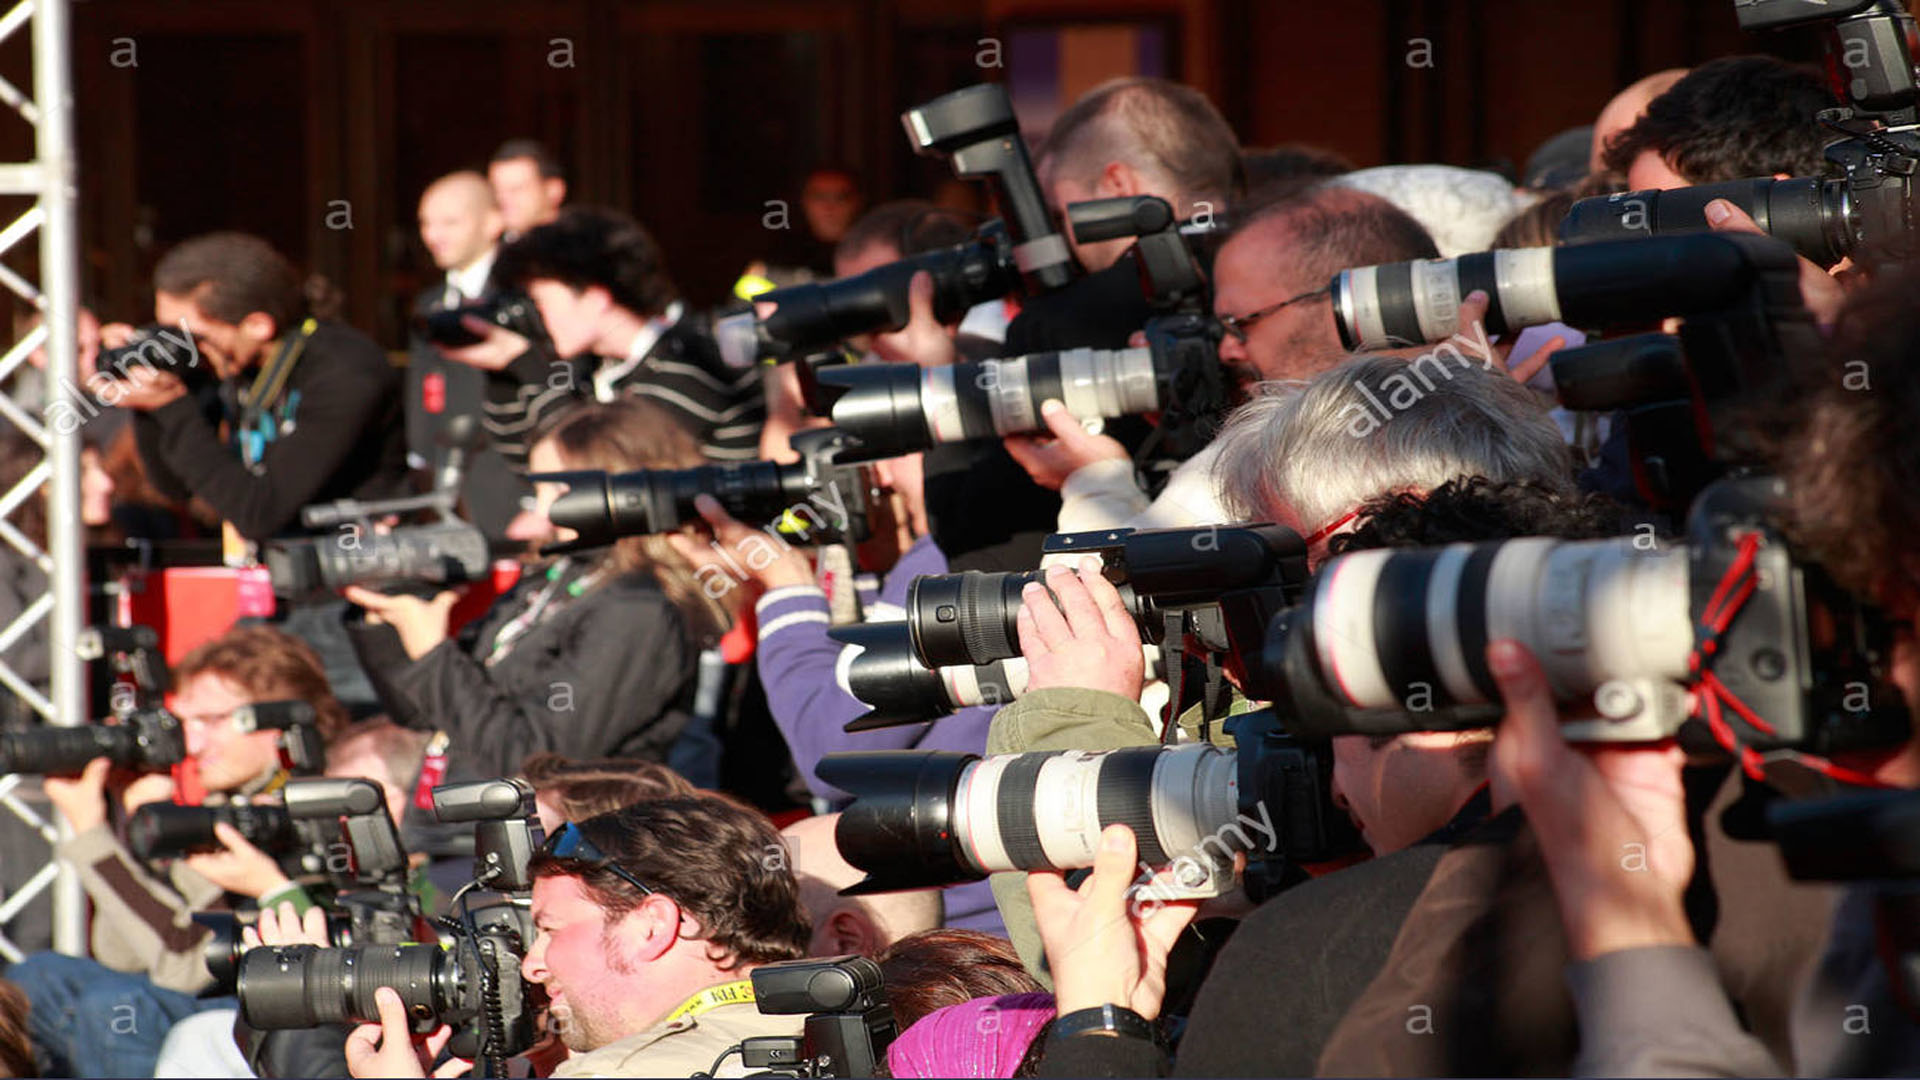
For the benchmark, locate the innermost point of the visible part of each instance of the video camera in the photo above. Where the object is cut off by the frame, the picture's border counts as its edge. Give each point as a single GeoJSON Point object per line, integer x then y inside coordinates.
{"type": "Point", "coordinates": [897, 409]}
{"type": "Point", "coordinates": [473, 984]}
{"type": "Point", "coordinates": [976, 130]}
{"type": "Point", "coordinates": [817, 500]}
{"type": "Point", "coordinates": [421, 559]}
{"type": "Point", "coordinates": [1866, 205]}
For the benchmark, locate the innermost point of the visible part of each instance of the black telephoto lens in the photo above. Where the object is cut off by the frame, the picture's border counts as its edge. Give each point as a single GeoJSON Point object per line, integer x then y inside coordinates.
{"type": "Point", "coordinates": [903, 819]}
{"type": "Point", "coordinates": [966, 618]}
{"type": "Point", "coordinates": [303, 986]}
{"type": "Point", "coordinates": [166, 831]}
{"type": "Point", "coordinates": [651, 501]}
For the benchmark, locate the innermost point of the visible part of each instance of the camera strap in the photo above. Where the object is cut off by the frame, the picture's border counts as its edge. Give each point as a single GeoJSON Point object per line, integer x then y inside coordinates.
{"type": "Point", "coordinates": [733, 993]}
{"type": "Point", "coordinates": [267, 388]}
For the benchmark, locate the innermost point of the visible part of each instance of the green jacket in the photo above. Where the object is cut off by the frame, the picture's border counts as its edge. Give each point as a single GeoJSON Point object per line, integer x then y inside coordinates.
{"type": "Point", "coordinates": [1073, 718]}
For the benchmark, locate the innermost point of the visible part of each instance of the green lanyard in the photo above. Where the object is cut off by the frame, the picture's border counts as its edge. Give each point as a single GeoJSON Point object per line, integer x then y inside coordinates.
{"type": "Point", "coordinates": [543, 603]}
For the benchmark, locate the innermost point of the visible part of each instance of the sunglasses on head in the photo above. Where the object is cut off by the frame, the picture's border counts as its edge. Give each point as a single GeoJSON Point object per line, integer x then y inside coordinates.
{"type": "Point", "coordinates": [571, 843]}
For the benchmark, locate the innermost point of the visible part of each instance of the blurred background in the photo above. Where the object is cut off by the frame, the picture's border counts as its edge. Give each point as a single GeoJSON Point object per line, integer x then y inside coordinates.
{"type": "Point", "coordinates": [316, 123]}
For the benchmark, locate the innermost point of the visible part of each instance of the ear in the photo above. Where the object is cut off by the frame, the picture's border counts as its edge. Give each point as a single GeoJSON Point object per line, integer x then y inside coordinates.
{"type": "Point", "coordinates": [557, 190]}
{"type": "Point", "coordinates": [1118, 179]}
{"type": "Point", "coordinates": [849, 930]}
{"type": "Point", "coordinates": [259, 325]}
{"type": "Point", "coordinates": [650, 929]}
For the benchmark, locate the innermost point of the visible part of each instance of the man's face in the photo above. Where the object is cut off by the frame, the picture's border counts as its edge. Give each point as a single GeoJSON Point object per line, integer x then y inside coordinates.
{"type": "Point", "coordinates": [830, 203]}
{"type": "Point", "coordinates": [1400, 789]}
{"type": "Point", "coordinates": [455, 228]}
{"type": "Point", "coordinates": [1064, 191]}
{"type": "Point", "coordinates": [229, 348]}
{"type": "Point", "coordinates": [525, 199]}
{"type": "Point", "coordinates": [228, 758]}
{"type": "Point", "coordinates": [576, 955]}
{"type": "Point", "coordinates": [572, 317]}
{"type": "Point", "coordinates": [1295, 342]}
{"type": "Point", "coordinates": [545, 458]}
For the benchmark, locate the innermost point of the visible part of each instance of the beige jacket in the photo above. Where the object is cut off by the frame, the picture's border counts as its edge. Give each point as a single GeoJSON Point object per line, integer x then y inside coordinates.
{"type": "Point", "coordinates": [682, 1047]}
{"type": "Point", "coordinates": [141, 924]}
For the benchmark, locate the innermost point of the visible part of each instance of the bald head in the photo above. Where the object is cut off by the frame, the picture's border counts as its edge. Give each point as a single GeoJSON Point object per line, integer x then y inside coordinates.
{"type": "Point", "coordinates": [458, 220]}
{"type": "Point", "coordinates": [1625, 108]}
{"type": "Point", "coordinates": [850, 924]}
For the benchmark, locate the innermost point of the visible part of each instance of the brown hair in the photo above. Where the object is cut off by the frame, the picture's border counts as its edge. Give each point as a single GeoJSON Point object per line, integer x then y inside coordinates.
{"type": "Point", "coordinates": [232, 275]}
{"type": "Point", "coordinates": [1538, 225]}
{"type": "Point", "coordinates": [720, 860]}
{"type": "Point", "coordinates": [16, 1047]}
{"type": "Point", "coordinates": [621, 436]}
{"type": "Point", "coordinates": [1850, 458]}
{"type": "Point", "coordinates": [936, 968]}
{"type": "Point", "coordinates": [270, 665]}
{"type": "Point", "coordinates": [586, 788]}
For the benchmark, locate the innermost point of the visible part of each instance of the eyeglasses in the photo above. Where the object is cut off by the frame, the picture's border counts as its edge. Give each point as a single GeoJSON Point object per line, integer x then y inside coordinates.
{"type": "Point", "coordinates": [1237, 324]}
{"type": "Point", "coordinates": [571, 843]}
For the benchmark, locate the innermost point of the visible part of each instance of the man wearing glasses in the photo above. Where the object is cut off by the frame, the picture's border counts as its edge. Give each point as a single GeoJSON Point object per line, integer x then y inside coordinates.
{"type": "Point", "coordinates": [1271, 298]}
{"type": "Point", "coordinates": [647, 923]}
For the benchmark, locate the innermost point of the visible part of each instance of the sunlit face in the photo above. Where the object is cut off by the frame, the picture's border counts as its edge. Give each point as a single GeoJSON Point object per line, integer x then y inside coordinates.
{"type": "Point", "coordinates": [1399, 789]}
{"type": "Point", "coordinates": [545, 457]}
{"type": "Point", "coordinates": [524, 198]}
{"type": "Point", "coordinates": [229, 348]}
{"type": "Point", "coordinates": [1295, 342]}
{"type": "Point", "coordinates": [572, 317]}
{"type": "Point", "coordinates": [575, 954]}
{"type": "Point", "coordinates": [228, 758]}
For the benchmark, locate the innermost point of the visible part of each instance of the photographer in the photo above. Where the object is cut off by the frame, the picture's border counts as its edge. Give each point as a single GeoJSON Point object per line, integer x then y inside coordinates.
{"type": "Point", "coordinates": [1270, 293]}
{"type": "Point", "coordinates": [1137, 136]}
{"type": "Point", "coordinates": [318, 405]}
{"type": "Point", "coordinates": [644, 943]}
{"type": "Point", "coordinates": [619, 327]}
{"type": "Point", "coordinates": [590, 654]}
{"type": "Point", "coordinates": [1728, 119]}
{"type": "Point", "coordinates": [142, 925]}
{"type": "Point", "coordinates": [1650, 1001]}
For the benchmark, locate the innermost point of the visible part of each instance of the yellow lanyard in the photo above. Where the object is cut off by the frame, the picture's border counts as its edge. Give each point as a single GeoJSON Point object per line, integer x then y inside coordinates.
{"type": "Point", "coordinates": [733, 993]}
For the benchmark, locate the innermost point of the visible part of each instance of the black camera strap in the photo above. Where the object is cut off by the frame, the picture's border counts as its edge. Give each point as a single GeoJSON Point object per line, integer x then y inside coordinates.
{"type": "Point", "coordinates": [1216, 694]}
{"type": "Point", "coordinates": [271, 384]}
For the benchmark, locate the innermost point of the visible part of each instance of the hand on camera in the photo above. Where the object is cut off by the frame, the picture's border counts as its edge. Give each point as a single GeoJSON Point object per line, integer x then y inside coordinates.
{"type": "Point", "coordinates": [82, 800]}
{"type": "Point", "coordinates": [239, 867]}
{"type": "Point", "coordinates": [1611, 819]}
{"type": "Point", "coordinates": [1105, 944]}
{"type": "Point", "coordinates": [1088, 639]}
{"type": "Point", "coordinates": [421, 624]}
{"type": "Point", "coordinates": [923, 340]}
{"type": "Point", "coordinates": [789, 567]}
{"type": "Point", "coordinates": [497, 347]}
{"type": "Point", "coordinates": [1473, 313]}
{"type": "Point", "coordinates": [390, 1048]}
{"type": "Point", "coordinates": [1051, 461]}
{"type": "Point", "coordinates": [147, 788]}
{"type": "Point", "coordinates": [283, 927]}
{"type": "Point", "coordinates": [147, 388]}
{"type": "Point", "coordinates": [1820, 291]}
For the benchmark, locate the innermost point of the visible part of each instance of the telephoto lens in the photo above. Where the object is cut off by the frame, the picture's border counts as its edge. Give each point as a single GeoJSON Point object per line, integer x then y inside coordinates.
{"type": "Point", "coordinates": [932, 818]}
{"type": "Point", "coordinates": [1814, 215]}
{"type": "Point", "coordinates": [1607, 283]}
{"type": "Point", "coordinates": [147, 741]}
{"type": "Point", "coordinates": [167, 831]}
{"type": "Point", "coordinates": [879, 668]}
{"type": "Point", "coordinates": [303, 986]}
{"type": "Point", "coordinates": [648, 502]}
{"type": "Point", "coordinates": [901, 408]}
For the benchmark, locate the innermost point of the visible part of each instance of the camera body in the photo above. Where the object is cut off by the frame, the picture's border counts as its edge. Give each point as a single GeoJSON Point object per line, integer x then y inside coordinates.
{"type": "Point", "coordinates": [1866, 206]}
{"type": "Point", "coordinates": [512, 311]}
{"type": "Point", "coordinates": [849, 1024]}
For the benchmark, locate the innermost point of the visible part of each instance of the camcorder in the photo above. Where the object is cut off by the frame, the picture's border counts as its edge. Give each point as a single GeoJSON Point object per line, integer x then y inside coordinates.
{"type": "Point", "coordinates": [895, 409]}
{"type": "Point", "coordinates": [816, 500]}
{"type": "Point", "coordinates": [976, 131]}
{"type": "Point", "coordinates": [508, 310]}
{"type": "Point", "coordinates": [1865, 205]}
{"type": "Point", "coordinates": [419, 559]}
{"type": "Point", "coordinates": [848, 1028]}
{"type": "Point", "coordinates": [471, 982]}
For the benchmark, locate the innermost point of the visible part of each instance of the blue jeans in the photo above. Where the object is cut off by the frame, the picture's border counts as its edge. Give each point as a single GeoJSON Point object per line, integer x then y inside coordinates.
{"type": "Point", "coordinates": [88, 1020]}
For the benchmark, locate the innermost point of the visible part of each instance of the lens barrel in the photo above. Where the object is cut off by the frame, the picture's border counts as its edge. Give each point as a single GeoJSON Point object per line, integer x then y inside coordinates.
{"type": "Point", "coordinates": [303, 986]}
{"type": "Point", "coordinates": [165, 831]}
{"type": "Point", "coordinates": [1812, 214]}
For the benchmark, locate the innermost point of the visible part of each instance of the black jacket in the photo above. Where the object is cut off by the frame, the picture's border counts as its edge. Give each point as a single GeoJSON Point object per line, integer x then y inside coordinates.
{"type": "Point", "coordinates": [338, 434]}
{"type": "Point", "coordinates": [608, 674]}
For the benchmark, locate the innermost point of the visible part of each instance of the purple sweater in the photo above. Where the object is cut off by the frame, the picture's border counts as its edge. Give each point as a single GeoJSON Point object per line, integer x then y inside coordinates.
{"type": "Point", "coordinates": [797, 666]}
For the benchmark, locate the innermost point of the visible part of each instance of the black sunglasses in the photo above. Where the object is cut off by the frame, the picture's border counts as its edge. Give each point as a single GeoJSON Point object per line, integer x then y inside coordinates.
{"type": "Point", "coordinates": [570, 843]}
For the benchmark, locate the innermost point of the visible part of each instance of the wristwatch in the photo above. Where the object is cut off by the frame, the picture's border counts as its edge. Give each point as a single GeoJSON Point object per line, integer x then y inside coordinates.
{"type": "Point", "coordinates": [1112, 1021]}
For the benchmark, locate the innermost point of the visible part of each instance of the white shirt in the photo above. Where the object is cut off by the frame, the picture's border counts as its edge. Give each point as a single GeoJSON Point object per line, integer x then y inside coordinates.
{"type": "Point", "coordinates": [608, 377]}
{"type": "Point", "coordinates": [464, 284]}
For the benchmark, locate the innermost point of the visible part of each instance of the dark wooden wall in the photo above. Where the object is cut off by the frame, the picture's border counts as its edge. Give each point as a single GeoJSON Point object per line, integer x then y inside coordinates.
{"type": "Point", "coordinates": [299, 118]}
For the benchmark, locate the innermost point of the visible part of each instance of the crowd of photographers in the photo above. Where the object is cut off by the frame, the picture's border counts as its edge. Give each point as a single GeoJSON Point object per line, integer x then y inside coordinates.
{"type": "Point", "coordinates": [1206, 619]}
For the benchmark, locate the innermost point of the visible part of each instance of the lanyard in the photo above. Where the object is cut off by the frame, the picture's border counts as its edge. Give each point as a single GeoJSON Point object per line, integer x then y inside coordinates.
{"type": "Point", "coordinates": [257, 427]}
{"type": "Point", "coordinates": [517, 627]}
{"type": "Point", "coordinates": [733, 993]}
